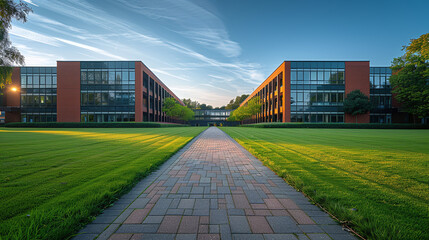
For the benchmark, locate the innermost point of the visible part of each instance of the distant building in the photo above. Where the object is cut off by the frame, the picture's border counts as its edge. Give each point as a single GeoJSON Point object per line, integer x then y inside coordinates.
{"type": "Point", "coordinates": [314, 91]}
{"type": "Point", "coordinates": [212, 117]}
{"type": "Point", "coordinates": [86, 91]}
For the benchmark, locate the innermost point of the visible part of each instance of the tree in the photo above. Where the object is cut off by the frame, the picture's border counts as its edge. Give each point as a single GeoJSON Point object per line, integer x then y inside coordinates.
{"type": "Point", "coordinates": [175, 110]}
{"type": "Point", "coordinates": [191, 104]}
{"type": "Point", "coordinates": [410, 79]}
{"type": "Point", "coordinates": [356, 103]}
{"type": "Point", "coordinates": [251, 108]}
{"type": "Point", "coordinates": [9, 54]}
{"type": "Point", "coordinates": [235, 103]}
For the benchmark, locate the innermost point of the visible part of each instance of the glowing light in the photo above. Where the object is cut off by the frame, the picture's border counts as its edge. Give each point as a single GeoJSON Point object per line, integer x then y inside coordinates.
{"type": "Point", "coordinates": [14, 89]}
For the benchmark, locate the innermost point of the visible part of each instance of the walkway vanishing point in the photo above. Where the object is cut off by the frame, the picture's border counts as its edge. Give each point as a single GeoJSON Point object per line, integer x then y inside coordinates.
{"type": "Point", "coordinates": [213, 189]}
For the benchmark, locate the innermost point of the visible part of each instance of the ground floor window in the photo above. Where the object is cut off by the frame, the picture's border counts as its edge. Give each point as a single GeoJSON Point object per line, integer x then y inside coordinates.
{"type": "Point", "coordinates": [107, 117]}
{"type": "Point", "coordinates": [34, 117]}
{"type": "Point", "coordinates": [381, 118]}
{"type": "Point", "coordinates": [321, 118]}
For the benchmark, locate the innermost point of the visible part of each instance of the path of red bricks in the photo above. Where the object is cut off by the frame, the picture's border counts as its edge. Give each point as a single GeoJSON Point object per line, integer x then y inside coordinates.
{"type": "Point", "coordinates": [213, 189]}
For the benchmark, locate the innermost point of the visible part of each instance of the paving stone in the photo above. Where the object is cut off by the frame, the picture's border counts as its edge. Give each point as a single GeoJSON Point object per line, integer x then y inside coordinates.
{"type": "Point", "coordinates": [259, 224]}
{"type": "Point", "coordinates": [120, 236]}
{"type": "Point", "coordinates": [202, 204]}
{"type": "Point", "coordinates": [186, 236]}
{"type": "Point", "coordinates": [189, 224]}
{"type": "Point", "coordinates": [247, 237]}
{"type": "Point", "coordinates": [283, 224]}
{"type": "Point", "coordinates": [235, 212]}
{"type": "Point", "coordinates": [169, 224]}
{"type": "Point", "coordinates": [137, 216]}
{"type": "Point", "coordinates": [208, 237]}
{"type": "Point", "coordinates": [311, 228]}
{"type": "Point", "coordinates": [186, 203]}
{"type": "Point", "coordinates": [214, 229]}
{"type": "Point", "coordinates": [153, 237]}
{"type": "Point", "coordinates": [85, 236]}
{"type": "Point", "coordinates": [280, 237]}
{"type": "Point", "coordinates": [94, 228]}
{"type": "Point", "coordinates": [138, 228]}
{"type": "Point", "coordinates": [317, 236]}
{"type": "Point", "coordinates": [211, 189]}
{"type": "Point", "coordinates": [323, 220]}
{"type": "Point", "coordinates": [218, 216]}
{"type": "Point", "coordinates": [301, 217]}
{"type": "Point", "coordinates": [342, 236]}
{"type": "Point", "coordinates": [239, 224]}
{"type": "Point", "coordinates": [153, 219]}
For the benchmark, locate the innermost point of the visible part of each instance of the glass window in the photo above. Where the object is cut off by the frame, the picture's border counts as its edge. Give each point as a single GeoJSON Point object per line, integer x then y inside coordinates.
{"type": "Point", "coordinates": [306, 75]}
{"type": "Point", "coordinates": [293, 75]}
{"type": "Point", "coordinates": [320, 76]}
{"type": "Point", "coordinates": [105, 77]}
{"type": "Point", "coordinates": [125, 76]}
{"type": "Point", "coordinates": [300, 96]}
{"type": "Point", "coordinates": [36, 79]}
{"type": "Point", "coordinates": [84, 99]}
{"type": "Point", "coordinates": [97, 99]}
{"type": "Point", "coordinates": [42, 79]}
{"type": "Point", "coordinates": [97, 77]}
{"type": "Point", "coordinates": [83, 77]}
{"type": "Point", "coordinates": [90, 98]}
{"type": "Point", "coordinates": [313, 76]}
{"type": "Point", "coordinates": [300, 76]}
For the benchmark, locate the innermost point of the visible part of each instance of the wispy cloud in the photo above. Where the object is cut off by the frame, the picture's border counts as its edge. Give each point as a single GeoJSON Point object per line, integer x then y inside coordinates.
{"type": "Point", "coordinates": [31, 2]}
{"type": "Point", "coordinates": [184, 42]}
{"type": "Point", "coordinates": [34, 36]}
{"type": "Point", "coordinates": [90, 48]}
{"type": "Point", "coordinates": [47, 21]}
{"type": "Point", "coordinates": [192, 21]}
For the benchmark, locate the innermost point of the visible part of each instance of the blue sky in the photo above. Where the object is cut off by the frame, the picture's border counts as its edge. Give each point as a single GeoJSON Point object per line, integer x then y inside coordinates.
{"type": "Point", "coordinates": [214, 50]}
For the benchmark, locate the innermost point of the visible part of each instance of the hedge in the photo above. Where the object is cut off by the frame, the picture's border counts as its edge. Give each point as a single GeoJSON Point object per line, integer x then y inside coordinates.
{"type": "Point", "coordinates": [93, 125]}
{"type": "Point", "coordinates": [338, 125]}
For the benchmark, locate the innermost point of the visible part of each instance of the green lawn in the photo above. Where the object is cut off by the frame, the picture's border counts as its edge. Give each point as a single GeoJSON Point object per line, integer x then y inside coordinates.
{"type": "Point", "coordinates": [61, 178]}
{"type": "Point", "coordinates": [378, 180]}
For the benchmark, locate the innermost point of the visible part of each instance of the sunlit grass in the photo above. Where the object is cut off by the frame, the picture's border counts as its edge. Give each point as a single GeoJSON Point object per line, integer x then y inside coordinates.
{"type": "Point", "coordinates": [383, 175]}
{"type": "Point", "coordinates": [63, 177]}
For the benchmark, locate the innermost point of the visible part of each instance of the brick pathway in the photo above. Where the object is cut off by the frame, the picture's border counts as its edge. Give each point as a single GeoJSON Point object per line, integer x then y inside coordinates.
{"type": "Point", "coordinates": [213, 189]}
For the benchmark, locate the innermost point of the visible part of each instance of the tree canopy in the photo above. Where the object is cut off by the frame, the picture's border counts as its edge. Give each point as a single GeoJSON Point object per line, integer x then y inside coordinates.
{"type": "Point", "coordinates": [251, 108]}
{"type": "Point", "coordinates": [175, 110]}
{"type": "Point", "coordinates": [235, 103]}
{"type": "Point", "coordinates": [410, 79]}
{"type": "Point", "coordinates": [9, 54]}
{"type": "Point", "coordinates": [356, 103]}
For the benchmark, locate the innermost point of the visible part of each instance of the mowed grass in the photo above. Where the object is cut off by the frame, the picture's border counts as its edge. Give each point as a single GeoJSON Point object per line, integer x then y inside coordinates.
{"type": "Point", "coordinates": [376, 180]}
{"type": "Point", "coordinates": [61, 178]}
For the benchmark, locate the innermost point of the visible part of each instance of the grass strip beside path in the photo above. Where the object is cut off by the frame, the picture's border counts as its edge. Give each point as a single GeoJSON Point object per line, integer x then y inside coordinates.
{"type": "Point", "coordinates": [61, 178]}
{"type": "Point", "coordinates": [376, 180]}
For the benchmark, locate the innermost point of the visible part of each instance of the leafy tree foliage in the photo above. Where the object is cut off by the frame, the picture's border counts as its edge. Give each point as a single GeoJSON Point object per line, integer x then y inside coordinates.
{"type": "Point", "coordinates": [410, 79]}
{"type": "Point", "coordinates": [175, 110]}
{"type": "Point", "coordinates": [235, 103]}
{"type": "Point", "coordinates": [356, 103]}
{"type": "Point", "coordinates": [9, 54]}
{"type": "Point", "coordinates": [251, 108]}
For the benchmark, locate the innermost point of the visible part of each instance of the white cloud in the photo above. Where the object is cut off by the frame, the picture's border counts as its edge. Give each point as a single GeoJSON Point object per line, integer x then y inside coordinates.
{"type": "Point", "coordinates": [30, 2]}
{"type": "Point", "coordinates": [90, 48]}
{"type": "Point", "coordinates": [33, 36]}
{"type": "Point", "coordinates": [192, 21]}
{"type": "Point", "coordinates": [41, 19]}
